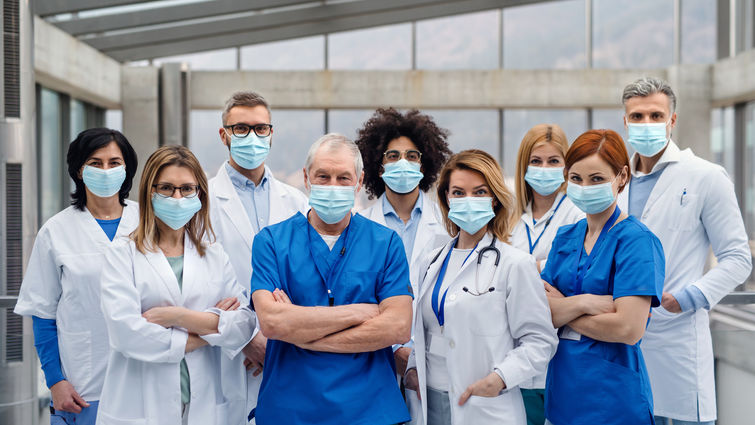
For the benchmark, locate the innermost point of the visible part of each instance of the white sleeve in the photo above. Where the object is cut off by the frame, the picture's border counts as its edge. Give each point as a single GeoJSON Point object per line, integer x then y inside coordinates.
{"type": "Point", "coordinates": [41, 288]}
{"type": "Point", "coordinates": [237, 327]}
{"type": "Point", "coordinates": [529, 320]}
{"type": "Point", "coordinates": [129, 332]}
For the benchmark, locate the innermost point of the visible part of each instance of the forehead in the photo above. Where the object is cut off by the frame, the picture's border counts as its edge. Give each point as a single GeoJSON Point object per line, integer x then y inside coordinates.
{"type": "Point", "coordinates": [336, 160]}
{"type": "Point", "coordinates": [590, 165]}
{"type": "Point", "coordinates": [176, 174]}
{"type": "Point", "coordinates": [466, 178]}
{"type": "Point", "coordinates": [652, 103]}
{"type": "Point", "coordinates": [401, 143]}
{"type": "Point", "coordinates": [545, 149]}
{"type": "Point", "coordinates": [248, 114]}
{"type": "Point", "coordinates": [111, 150]}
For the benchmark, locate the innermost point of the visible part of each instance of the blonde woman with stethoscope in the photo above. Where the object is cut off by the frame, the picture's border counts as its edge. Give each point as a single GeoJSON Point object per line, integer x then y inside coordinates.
{"type": "Point", "coordinates": [542, 207]}
{"type": "Point", "coordinates": [483, 324]}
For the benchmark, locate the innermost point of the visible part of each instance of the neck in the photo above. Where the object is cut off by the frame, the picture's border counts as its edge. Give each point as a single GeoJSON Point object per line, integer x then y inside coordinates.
{"type": "Point", "coordinates": [325, 228]}
{"type": "Point", "coordinates": [595, 222]}
{"type": "Point", "coordinates": [541, 204]}
{"type": "Point", "coordinates": [255, 175]}
{"type": "Point", "coordinates": [402, 203]}
{"type": "Point", "coordinates": [169, 238]}
{"type": "Point", "coordinates": [467, 241]}
{"type": "Point", "coordinates": [104, 208]}
{"type": "Point", "coordinates": [645, 164]}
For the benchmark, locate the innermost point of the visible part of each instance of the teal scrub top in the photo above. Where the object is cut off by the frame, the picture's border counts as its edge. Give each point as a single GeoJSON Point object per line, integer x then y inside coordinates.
{"type": "Point", "coordinates": [590, 381]}
{"type": "Point", "coordinates": [366, 265]}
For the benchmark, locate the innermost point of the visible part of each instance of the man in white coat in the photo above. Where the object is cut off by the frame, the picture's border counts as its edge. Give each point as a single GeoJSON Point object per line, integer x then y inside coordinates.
{"type": "Point", "coordinates": [245, 197]}
{"type": "Point", "coordinates": [690, 204]}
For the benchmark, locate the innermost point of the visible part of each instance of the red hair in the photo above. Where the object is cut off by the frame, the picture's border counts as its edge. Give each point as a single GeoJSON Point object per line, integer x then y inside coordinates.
{"type": "Point", "coordinates": [607, 144]}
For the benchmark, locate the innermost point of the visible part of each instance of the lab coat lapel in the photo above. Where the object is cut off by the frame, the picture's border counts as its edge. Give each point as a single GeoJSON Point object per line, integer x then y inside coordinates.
{"type": "Point", "coordinates": [94, 231]}
{"type": "Point", "coordinates": [279, 208]}
{"type": "Point", "coordinates": [664, 183]}
{"type": "Point", "coordinates": [231, 205]}
{"type": "Point", "coordinates": [191, 274]}
{"type": "Point", "coordinates": [375, 212]}
{"type": "Point", "coordinates": [433, 269]}
{"type": "Point", "coordinates": [427, 228]}
{"type": "Point", "coordinates": [162, 268]}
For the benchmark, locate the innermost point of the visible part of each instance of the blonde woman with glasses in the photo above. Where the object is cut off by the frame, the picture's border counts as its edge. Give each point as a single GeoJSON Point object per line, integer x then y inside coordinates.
{"type": "Point", "coordinates": [172, 306]}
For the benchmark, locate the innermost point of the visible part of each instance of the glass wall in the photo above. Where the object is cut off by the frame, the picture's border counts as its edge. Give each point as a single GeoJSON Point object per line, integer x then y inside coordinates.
{"type": "Point", "coordinates": [298, 54]}
{"type": "Point", "coordinates": [698, 31]}
{"type": "Point", "coordinates": [51, 167]}
{"type": "Point", "coordinates": [749, 183]}
{"type": "Point", "coordinates": [459, 42]}
{"type": "Point", "coordinates": [382, 48]}
{"type": "Point", "coordinates": [722, 141]}
{"type": "Point", "coordinates": [215, 60]}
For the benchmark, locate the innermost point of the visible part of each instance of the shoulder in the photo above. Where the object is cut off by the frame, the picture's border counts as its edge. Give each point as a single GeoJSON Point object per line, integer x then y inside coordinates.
{"type": "Point", "coordinates": [62, 220]}
{"type": "Point", "coordinates": [632, 230]}
{"type": "Point", "coordinates": [215, 251]}
{"type": "Point", "coordinates": [372, 208]}
{"type": "Point", "coordinates": [367, 226]}
{"type": "Point", "coordinates": [572, 230]}
{"type": "Point", "coordinates": [513, 255]}
{"type": "Point", "coordinates": [277, 230]}
{"type": "Point", "coordinates": [693, 164]}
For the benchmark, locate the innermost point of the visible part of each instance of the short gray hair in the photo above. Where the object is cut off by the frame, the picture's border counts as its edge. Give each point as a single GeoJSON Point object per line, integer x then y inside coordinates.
{"type": "Point", "coordinates": [646, 86]}
{"type": "Point", "coordinates": [244, 98]}
{"type": "Point", "coordinates": [332, 142]}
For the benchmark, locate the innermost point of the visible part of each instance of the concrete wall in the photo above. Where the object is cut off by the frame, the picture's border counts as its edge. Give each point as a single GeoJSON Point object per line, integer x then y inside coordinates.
{"type": "Point", "coordinates": [734, 79]}
{"type": "Point", "coordinates": [692, 85]}
{"type": "Point", "coordinates": [140, 114]}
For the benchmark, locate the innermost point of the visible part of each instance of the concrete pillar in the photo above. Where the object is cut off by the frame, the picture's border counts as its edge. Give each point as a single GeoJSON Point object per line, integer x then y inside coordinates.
{"type": "Point", "coordinates": [140, 105]}
{"type": "Point", "coordinates": [693, 87]}
{"type": "Point", "coordinates": [174, 104]}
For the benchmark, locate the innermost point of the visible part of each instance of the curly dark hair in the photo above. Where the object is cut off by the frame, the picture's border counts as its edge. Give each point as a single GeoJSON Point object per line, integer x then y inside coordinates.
{"type": "Point", "coordinates": [388, 124]}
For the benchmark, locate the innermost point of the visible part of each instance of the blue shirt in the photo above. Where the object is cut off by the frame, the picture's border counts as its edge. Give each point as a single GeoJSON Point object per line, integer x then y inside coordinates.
{"type": "Point", "coordinates": [255, 199]}
{"type": "Point", "coordinates": [406, 231]}
{"type": "Point", "coordinates": [110, 227]}
{"type": "Point", "coordinates": [300, 386]}
{"type": "Point", "coordinates": [591, 381]}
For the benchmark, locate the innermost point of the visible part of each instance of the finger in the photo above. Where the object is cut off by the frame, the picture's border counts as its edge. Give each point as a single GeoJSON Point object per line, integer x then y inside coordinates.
{"type": "Point", "coordinates": [235, 306]}
{"type": "Point", "coordinates": [465, 396]}
{"type": "Point", "coordinates": [285, 297]}
{"type": "Point", "coordinates": [257, 372]}
{"type": "Point", "coordinates": [80, 401]}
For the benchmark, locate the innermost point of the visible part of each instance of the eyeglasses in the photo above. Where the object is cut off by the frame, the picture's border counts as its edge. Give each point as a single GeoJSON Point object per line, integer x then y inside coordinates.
{"type": "Point", "coordinates": [410, 155]}
{"type": "Point", "coordinates": [242, 130]}
{"type": "Point", "coordinates": [167, 190]}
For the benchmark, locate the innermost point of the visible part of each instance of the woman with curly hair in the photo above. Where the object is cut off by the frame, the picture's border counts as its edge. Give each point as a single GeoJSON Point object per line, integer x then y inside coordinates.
{"type": "Point", "coordinates": [403, 154]}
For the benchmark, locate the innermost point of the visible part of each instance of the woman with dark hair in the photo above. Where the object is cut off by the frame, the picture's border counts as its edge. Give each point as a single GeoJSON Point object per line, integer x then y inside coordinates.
{"type": "Point", "coordinates": [603, 275]}
{"type": "Point", "coordinates": [61, 289]}
{"type": "Point", "coordinates": [403, 154]}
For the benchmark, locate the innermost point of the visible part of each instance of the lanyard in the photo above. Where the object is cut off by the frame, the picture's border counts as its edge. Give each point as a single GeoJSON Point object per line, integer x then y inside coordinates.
{"type": "Point", "coordinates": [593, 253]}
{"type": "Point", "coordinates": [328, 277]}
{"type": "Point", "coordinates": [440, 308]}
{"type": "Point", "coordinates": [547, 222]}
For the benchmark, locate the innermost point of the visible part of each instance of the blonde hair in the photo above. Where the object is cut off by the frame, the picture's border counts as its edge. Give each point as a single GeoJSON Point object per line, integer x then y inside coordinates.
{"type": "Point", "coordinates": [147, 234]}
{"type": "Point", "coordinates": [536, 136]}
{"type": "Point", "coordinates": [480, 162]}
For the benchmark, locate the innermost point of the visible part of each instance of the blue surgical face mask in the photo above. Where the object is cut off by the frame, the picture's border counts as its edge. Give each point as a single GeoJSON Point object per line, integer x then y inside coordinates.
{"type": "Point", "coordinates": [175, 212]}
{"type": "Point", "coordinates": [104, 183]}
{"type": "Point", "coordinates": [471, 213]}
{"type": "Point", "coordinates": [591, 199]}
{"type": "Point", "coordinates": [402, 176]}
{"type": "Point", "coordinates": [647, 138]}
{"type": "Point", "coordinates": [331, 203]}
{"type": "Point", "coordinates": [544, 180]}
{"type": "Point", "coordinates": [250, 151]}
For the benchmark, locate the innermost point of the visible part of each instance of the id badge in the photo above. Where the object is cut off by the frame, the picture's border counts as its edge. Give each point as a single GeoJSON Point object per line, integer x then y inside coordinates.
{"type": "Point", "coordinates": [569, 333]}
{"type": "Point", "coordinates": [438, 345]}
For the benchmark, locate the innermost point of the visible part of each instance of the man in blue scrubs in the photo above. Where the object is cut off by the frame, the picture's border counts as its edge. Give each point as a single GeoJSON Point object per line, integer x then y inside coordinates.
{"type": "Point", "coordinates": [332, 294]}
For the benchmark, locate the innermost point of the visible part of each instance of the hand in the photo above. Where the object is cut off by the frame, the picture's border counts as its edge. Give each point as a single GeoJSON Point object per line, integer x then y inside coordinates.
{"type": "Point", "coordinates": [594, 305]}
{"type": "Point", "coordinates": [228, 304]}
{"type": "Point", "coordinates": [194, 342]}
{"type": "Point", "coordinates": [411, 381]}
{"type": "Point", "coordinates": [488, 386]}
{"type": "Point", "coordinates": [255, 353]}
{"type": "Point", "coordinates": [401, 357]}
{"type": "Point", "coordinates": [670, 303]}
{"type": "Point", "coordinates": [539, 266]}
{"type": "Point", "coordinates": [551, 291]}
{"type": "Point", "coordinates": [65, 398]}
{"type": "Point", "coordinates": [281, 297]}
{"type": "Point", "coordinates": [166, 317]}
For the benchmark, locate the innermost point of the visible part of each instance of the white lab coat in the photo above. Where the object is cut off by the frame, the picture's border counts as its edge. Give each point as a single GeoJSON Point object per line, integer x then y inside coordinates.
{"type": "Point", "coordinates": [509, 329]}
{"type": "Point", "coordinates": [677, 347]}
{"type": "Point", "coordinates": [567, 213]}
{"type": "Point", "coordinates": [142, 385]}
{"type": "Point", "coordinates": [234, 231]}
{"type": "Point", "coordinates": [62, 282]}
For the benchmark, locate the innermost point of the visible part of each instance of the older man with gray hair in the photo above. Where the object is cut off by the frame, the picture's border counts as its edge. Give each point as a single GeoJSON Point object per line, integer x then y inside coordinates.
{"type": "Point", "coordinates": [690, 204]}
{"type": "Point", "coordinates": [332, 293]}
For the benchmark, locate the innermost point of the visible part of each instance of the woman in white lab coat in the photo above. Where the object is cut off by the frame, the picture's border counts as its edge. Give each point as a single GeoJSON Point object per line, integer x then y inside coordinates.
{"type": "Point", "coordinates": [483, 324]}
{"type": "Point", "coordinates": [61, 288]}
{"type": "Point", "coordinates": [542, 207]}
{"type": "Point", "coordinates": [166, 295]}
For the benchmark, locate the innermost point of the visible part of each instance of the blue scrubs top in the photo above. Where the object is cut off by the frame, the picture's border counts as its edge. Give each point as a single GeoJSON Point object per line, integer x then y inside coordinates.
{"type": "Point", "coordinates": [300, 386]}
{"type": "Point", "coordinates": [596, 382]}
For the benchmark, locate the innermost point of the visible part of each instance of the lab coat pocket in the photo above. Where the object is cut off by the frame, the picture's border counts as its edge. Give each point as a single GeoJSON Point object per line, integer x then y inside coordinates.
{"type": "Point", "coordinates": [105, 419]}
{"type": "Point", "coordinates": [76, 357]}
{"type": "Point", "coordinates": [684, 214]}
{"type": "Point", "coordinates": [415, 407]}
{"type": "Point", "coordinates": [484, 410]}
{"type": "Point", "coordinates": [485, 313]}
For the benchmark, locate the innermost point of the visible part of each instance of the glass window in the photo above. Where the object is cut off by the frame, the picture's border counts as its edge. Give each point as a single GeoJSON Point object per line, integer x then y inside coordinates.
{"type": "Point", "coordinates": [114, 119]}
{"type": "Point", "coordinates": [78, 115]}
{"type": "Point", "coordinates": [459, 42]}
{"type": "Point", "coordinates": [298, 54]}
{"type": "Point", "coordinates": [517, 122]}
{"type": "Point", "coordinates": [470, 129]}
{"type": "Point", "coordinates": [749, 201]}
{"type": "Point", "coordinates": [698, 31]}
{"type": "Point", "coordinates": [722, 139]}
{"type": "Point", "coordinates": [558, 38]}
{"type": "Point", "coordinates": [51, 158]}
{"type": "Point", "coordinates": [204, 140]}
{"type": "Point", "coordinates": [215, 60]}
{"type": "Point", "coordinates": [388, 47]}
{"type": "Point", "coordinates": [610, 119]}
{"type": "Point", "coordinates": [295, 131]}
{"type": "Point", "coordinates": [635, 34]}
{"type": "Point", "coordinates": [348, 121]}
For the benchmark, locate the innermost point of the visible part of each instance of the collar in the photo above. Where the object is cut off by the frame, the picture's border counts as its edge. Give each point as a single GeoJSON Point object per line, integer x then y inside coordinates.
{"type": "Point", "coordinates": [417, 210]}
{"type": "Point", "coordinates": [241, 182]}
{"type": "Point", "coordinates": [671, 154]}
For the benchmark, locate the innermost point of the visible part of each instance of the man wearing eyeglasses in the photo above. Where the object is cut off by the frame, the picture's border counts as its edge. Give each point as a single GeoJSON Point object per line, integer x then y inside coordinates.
{"type": "Point", "coordinates": [246, 197]}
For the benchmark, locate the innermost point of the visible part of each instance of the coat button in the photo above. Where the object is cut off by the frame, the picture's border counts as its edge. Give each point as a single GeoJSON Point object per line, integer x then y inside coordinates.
{"type": "Point", "coordinates": [452, 297]}
{"type": "Point", "coordinates": [451, 344]}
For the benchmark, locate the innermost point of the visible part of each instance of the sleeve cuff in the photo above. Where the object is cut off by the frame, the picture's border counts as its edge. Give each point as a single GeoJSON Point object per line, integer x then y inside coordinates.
{"type": "Point", "coordinates": [178, 338]}
{"type": "Point", "coordinates": [691, 298]}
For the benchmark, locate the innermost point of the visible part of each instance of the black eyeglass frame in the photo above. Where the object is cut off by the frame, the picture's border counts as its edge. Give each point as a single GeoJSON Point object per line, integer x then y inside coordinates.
{"type": "Point", "coordinates": [250, 127]}
{"type": "Point", "coordinates": [179, 188]}
{"type": "Point", "coordinates": [403, 154]}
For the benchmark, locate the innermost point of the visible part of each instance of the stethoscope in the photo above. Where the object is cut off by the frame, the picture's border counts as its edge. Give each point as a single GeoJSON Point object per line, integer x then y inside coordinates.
{"type": "Point", "coordinates": [480, 255]}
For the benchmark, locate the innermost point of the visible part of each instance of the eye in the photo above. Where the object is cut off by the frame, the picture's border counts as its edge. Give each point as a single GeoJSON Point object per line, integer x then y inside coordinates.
{"type": "Point", "coordinates": [457, 192]}
{"type": "Point", "coordinates": [575, 179]}
{"type": "Point", "coordinates": [535, 161]}
{"type": "Point", "coordinates": [555, 161]}
{"type": "Point", "coordinates": [596, 179]}
{"type": "Point", "coordinates": [481, 192]}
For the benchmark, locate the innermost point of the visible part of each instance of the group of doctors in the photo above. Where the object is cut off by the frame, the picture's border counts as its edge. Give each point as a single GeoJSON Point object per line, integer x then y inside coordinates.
{"type": "Point", "coordinates": [591, 270]}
